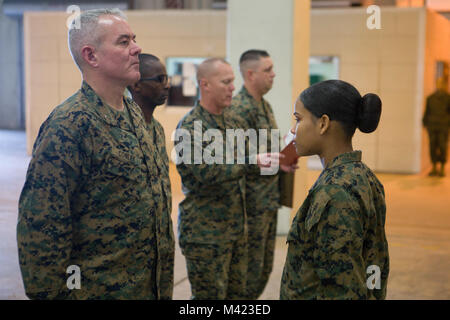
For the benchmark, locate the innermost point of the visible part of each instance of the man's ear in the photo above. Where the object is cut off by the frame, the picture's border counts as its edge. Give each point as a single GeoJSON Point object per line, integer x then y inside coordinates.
{"type": "Point", "coordinates": [202, 83]}
{"type": "Point", "coordinates": [89, 56]}
{"type": "Point", "coordinates": [249, 74]}
{"type": "Point", "coordinates": [324, 124]}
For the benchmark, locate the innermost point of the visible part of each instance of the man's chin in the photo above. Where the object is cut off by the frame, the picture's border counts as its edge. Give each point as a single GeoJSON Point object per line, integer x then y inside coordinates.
{"type": "Point", "coordinates": [132, 79]}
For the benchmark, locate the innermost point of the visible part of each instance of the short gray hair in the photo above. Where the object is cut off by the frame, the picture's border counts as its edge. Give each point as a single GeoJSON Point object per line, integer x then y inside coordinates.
{"type": "Point", "coordinates": [85, 32]}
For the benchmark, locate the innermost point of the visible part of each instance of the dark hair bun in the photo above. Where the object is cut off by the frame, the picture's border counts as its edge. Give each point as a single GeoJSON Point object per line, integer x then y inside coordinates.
{"type": "Point", "coordinates": [369, 113]}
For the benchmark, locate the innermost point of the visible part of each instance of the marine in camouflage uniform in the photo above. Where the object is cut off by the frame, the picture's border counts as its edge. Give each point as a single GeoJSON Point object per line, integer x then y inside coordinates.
{"type": "Point", "coordinates": [337, 234]}
{"type": "Point", "coordinates": [262, 191]}
{"type": "Point", "coordinates": [148, 93]}
{"type": "Point", "coordinates": [437, 121]}
{"type": "Point", "coordinates": [212, 220]}
{"type": "Point", "coordinates": [95, 196]}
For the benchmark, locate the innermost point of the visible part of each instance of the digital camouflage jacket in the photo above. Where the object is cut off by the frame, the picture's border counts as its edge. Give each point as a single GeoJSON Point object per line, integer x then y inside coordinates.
{"type": "Point", "coordinates": [97, 196]}
{"type": "Point", "coordinates": [213, 210]}
{"type": "Point", "coordinates": [262, 191]}
{"type": "Point", "coordinates": [337, 242]}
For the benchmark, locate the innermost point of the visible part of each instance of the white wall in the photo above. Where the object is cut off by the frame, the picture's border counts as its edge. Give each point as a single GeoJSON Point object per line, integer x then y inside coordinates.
{"type": "Point", "coordinates": [274, 26]}
{"type": "Point", "coordinates": [10, 74]}
{"type": "Point", "coordinates": [388, 62]}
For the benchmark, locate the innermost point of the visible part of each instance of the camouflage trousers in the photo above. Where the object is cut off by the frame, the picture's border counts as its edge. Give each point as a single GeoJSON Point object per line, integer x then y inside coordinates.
{"type": "Point", "coordinates": [438, 144]}
{"type": "Point", "coordinates": [217, 271]}
{"type": "Point", "coordinates": [261, 243]}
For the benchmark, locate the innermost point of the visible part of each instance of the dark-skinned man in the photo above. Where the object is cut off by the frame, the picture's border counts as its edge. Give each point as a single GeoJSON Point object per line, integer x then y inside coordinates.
{"type": "Point", "coordinates": [149, 92]}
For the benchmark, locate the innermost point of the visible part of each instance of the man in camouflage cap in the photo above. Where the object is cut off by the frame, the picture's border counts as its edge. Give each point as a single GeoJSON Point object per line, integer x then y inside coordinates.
{"type": "Point", "coordinates": [212, 219]}
{"type": "Point", "coordinates": [93, 200]}
{"type": "Point", "coordinates": [437, 121]}
{"type": "Point", "coordinates": [149, 92]}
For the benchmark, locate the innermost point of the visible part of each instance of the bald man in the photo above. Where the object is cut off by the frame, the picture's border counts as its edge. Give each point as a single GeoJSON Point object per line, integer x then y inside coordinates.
{"type": "Point", "coordinates": [212, 220]}
{"type": "Point", "coordinates": [149, 92]}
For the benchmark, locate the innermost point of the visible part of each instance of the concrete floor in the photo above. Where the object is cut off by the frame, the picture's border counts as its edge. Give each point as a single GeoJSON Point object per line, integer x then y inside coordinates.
{"type": "Point", "coordinates": [418, 231]}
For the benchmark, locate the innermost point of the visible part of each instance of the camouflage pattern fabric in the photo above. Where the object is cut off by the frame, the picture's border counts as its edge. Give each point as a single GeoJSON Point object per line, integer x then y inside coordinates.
{"type": "Point", "coordinates": [262, 231]}
{"type": "Point", "coordinates": [167, 239]}
{"type": "Point", "coordinates": [262, 194]}
{"type": "Point", "coordinates": [96, 196]}
{"type": "Point", "coordinates": [213, 211]}
{"type": "Point", "coordinates": [437, 121]}
{"type": "Point", "coordinates": [438, 144]}
{"type": "Point", "coordinates": [217, 271]}
{"type": "Point", "coordinates": [337, 234]}
{"type": "Point", "coordinates": [262, 191]}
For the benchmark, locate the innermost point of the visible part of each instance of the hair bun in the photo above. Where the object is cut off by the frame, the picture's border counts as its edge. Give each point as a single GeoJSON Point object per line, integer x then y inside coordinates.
{"type": "Point", "coordinates": [369, 113]}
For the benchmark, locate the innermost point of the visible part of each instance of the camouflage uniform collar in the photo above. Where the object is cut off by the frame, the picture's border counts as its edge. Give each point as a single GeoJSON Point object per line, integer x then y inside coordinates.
{"type": "Point", "coordinates": [245, 92]}
{"type": "Point", "coordinates": [108, 114]}
{"type": "Point", "coordinates": [206, 115]}
{"type": "Point", "coordinates": [353, 156]}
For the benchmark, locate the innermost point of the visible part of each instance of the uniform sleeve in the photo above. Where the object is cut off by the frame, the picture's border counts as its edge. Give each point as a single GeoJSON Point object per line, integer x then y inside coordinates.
{"type": "Point", "coordinates": [338, 239]}
{"type": "Point", "coordinates": [211, 169]}
{"type": "Point", "coordinates": [44, 227]}
{"type": "Point", "coordinates": [211, 173]}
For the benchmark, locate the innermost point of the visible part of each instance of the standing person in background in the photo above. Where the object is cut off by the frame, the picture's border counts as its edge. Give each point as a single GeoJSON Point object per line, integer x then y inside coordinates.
{"type": "Point", "coordinates": [92, 196]}
{"type": "Point", "coordinates": [212, 221]}
{"type": "Point", "coordinates": [262, 191]}
{"type": "Point", "coordinates": [337, 238]}
{"type": "Point", "coordinates": [149, 92]}
{"type": "Point", "coordinates": [437, 122]}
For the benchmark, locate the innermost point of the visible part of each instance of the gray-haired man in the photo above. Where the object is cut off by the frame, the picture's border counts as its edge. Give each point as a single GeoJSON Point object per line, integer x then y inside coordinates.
{"type": "Point", "coordinates": [93, 200]}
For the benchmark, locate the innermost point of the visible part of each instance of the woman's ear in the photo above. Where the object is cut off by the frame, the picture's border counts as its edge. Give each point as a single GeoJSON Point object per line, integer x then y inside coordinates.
{"type": "Point", "coordinates": [324, 124]}
{"type": "Point", "coordinates": [89, 56]}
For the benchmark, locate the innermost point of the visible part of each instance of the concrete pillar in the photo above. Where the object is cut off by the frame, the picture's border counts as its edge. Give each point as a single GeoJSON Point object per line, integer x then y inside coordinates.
{"type": "Point", "coordinates": [11, 114]}
{"type": "Point", "coordinates": [281, 28]}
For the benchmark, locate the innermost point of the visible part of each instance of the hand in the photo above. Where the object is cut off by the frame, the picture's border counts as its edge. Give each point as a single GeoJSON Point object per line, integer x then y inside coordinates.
{"type": "Point", "coordinates": [290, 168]}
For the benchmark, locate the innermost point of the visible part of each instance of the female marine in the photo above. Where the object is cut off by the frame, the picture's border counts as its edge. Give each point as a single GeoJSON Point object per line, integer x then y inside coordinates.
{"type": "Point", "coordinates": [337, 242]}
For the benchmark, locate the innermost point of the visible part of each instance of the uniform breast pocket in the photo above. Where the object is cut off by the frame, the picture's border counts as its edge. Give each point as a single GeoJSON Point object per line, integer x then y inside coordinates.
{"type": "Point", "coordinates": [263, 122]}
{"type": "Point", "coordinates": [122, 165]}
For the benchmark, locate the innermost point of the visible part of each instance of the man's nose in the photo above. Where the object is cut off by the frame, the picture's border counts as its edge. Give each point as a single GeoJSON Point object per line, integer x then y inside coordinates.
{"type": "Point", "coordinates": [136, 49]}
